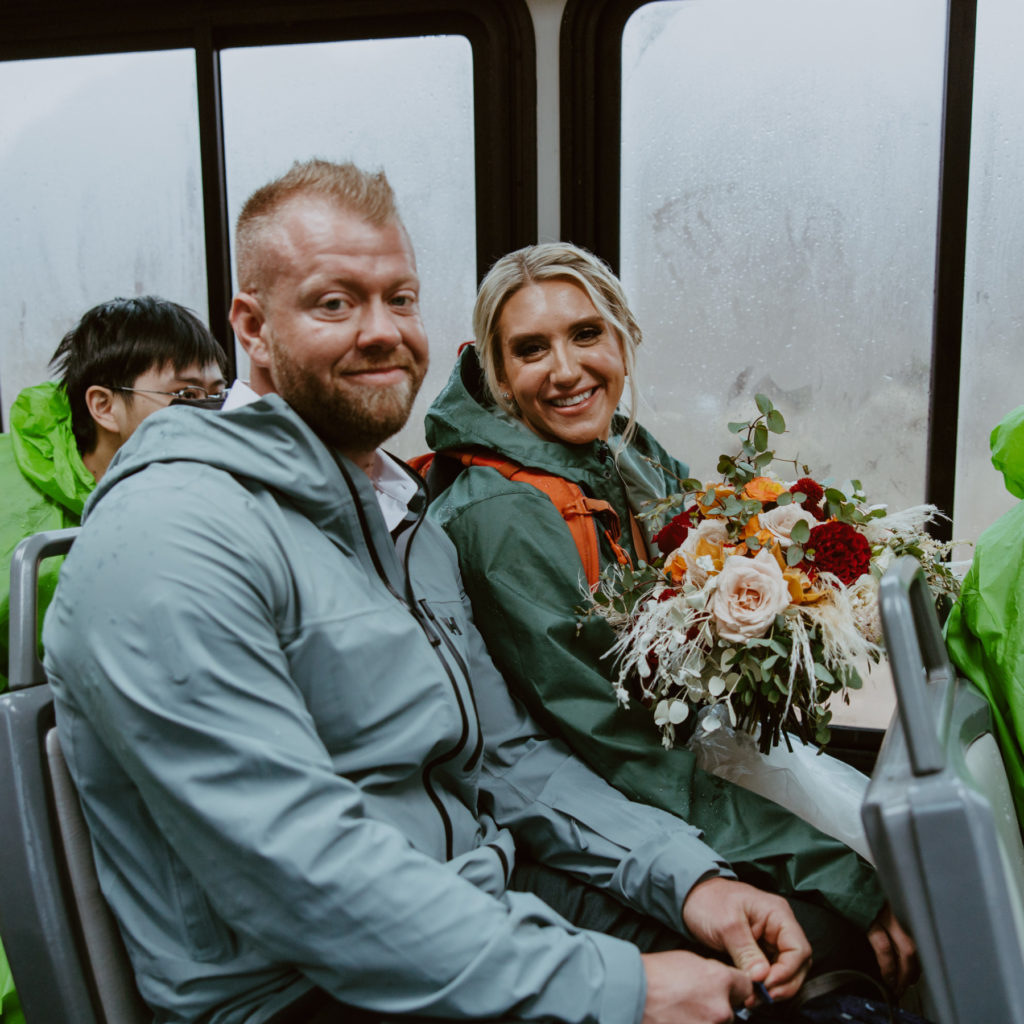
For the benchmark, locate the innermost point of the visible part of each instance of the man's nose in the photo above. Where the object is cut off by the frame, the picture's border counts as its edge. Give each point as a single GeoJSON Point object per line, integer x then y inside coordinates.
{"type": "Point", "coordinates": [378, 328]}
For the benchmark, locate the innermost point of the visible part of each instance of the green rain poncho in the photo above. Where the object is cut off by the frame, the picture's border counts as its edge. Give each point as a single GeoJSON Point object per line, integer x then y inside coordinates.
{"type": "Point", "coordinates": [985, 631]}
{"type": "Point", "coordinates": [43, 486]}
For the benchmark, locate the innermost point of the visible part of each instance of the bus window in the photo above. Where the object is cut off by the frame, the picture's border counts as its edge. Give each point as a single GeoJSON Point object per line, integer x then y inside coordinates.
{"type": "Point", "coordinates": [100, 172]}
{"type": "Point", "coordinates": [402, 104]}
{"type": "Point", "coordinates": [992, 370]}
{"type": "Point", "coordinates": [778, 207]}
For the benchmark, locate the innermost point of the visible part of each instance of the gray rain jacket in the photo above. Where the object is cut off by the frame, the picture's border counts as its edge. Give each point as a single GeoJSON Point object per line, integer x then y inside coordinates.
{"type": "Point", "coordinates": [299, 765]}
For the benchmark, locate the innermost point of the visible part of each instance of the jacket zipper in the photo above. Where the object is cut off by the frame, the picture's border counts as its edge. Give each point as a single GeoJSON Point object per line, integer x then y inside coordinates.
{"type": "Point", "coordinates": [436, 637]}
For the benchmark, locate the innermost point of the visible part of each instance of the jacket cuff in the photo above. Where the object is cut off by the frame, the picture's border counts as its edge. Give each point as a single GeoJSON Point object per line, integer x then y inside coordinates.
{"type": "Point", "coordinates": [625, 989]}
{"type": "Point", "coordinates": [658, 875]}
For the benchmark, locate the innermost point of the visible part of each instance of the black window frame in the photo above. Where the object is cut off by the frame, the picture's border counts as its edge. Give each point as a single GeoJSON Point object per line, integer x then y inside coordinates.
{"type": "Point", "coordinates": [500, 33]}
{"type": "Point", "coordinates": [591, 141]}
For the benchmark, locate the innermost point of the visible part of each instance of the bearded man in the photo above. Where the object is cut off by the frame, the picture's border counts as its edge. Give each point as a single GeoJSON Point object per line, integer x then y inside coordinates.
{"type": "Point", "coordinates": [310, 795]}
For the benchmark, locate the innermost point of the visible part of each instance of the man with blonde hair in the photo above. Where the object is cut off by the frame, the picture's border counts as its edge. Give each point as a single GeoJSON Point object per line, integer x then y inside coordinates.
{"type": "Point", "coordinates": [308, 788]}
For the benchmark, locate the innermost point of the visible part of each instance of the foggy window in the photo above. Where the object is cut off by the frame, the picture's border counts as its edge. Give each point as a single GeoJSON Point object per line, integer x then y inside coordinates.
{"type": "Point", "coordinates": [99, 167]}
{"type": "Point", "coordinates": [402, 104]}
{"type": "Point", "coordinates": [779, 202]}
{"type": "Point", "coordinates": [992, 371]}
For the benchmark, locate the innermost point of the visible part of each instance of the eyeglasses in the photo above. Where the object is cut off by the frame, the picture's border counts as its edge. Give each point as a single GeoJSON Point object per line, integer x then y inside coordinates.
{"type": "Point", "coordinates": [193, 393]}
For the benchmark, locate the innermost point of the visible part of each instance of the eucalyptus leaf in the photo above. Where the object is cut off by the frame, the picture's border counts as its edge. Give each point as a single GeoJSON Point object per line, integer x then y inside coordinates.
{"type": "Point", "coordinates": [753, 543]}
{"type": "Point", "coordinates": [764, 403]}
{"type": "Point", "coordinates": [776, 422]}
{"type": "Point", "coordinates": [801, 531]}
{"type": "Point", "coordinates": [823, 673]}
{"type": "Point", "coordinates": [794, 554]}
{"type": "Point", "coordinates": [785, 498]}
{"type": "Point", "coordinates": [761, 436]}
{"type": "Point", "coordinates": [735, 428]}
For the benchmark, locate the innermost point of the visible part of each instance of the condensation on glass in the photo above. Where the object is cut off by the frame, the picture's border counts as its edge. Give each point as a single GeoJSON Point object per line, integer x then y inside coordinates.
{"type": "Point", "coordinates": [99, 161]}
{"type": "Point", "coordinates": [992, 371]}
{"type": "Point", "coordinates": [402, 104]}
{"type": "Point", "coordinates": [779, 203]}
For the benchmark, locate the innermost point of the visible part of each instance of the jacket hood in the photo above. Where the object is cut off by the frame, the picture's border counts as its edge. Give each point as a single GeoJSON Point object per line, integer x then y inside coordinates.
{"type": "Point", "coordinates": [1007, 446]}
{"type": "Point", "coordinates": [44, 446]}
{"type": "Point", "coordinates": [265, 443]}
{"type": "Point", "coordinates": [463, 415]}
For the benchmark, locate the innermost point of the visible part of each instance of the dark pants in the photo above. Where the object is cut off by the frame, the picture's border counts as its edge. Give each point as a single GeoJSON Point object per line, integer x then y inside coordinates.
{"type": "Point", "coordinates": [836, 943]}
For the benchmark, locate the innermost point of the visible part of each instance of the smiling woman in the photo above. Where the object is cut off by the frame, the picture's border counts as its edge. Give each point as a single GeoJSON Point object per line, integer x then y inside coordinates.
{"type": "Point", "coordinates": [555, 346]}
{"type": "Point", "coordinates": [560, 362]}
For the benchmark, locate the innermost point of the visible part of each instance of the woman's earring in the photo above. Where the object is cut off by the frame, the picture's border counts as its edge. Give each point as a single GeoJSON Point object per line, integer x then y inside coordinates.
{"type": "Point", "coordinates": [506, 395]}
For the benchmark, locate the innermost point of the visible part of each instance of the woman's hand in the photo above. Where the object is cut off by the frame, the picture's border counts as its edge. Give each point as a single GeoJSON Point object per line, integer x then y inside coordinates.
{"type": "Point", "coordinates": [895, 951]}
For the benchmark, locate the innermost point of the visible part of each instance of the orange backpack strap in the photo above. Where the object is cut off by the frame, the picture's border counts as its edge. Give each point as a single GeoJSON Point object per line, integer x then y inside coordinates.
{"type": "Point", "coordinates": [581, 514]}
{"type": "Point", "coordinates": [421, 463]}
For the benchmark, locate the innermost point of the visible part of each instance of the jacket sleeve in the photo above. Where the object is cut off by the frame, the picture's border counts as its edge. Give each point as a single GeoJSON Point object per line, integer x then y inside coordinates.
{"type": "Point", "coordinates": [564, 814]}
{"type": "Point", "coordinates": [163, 638]}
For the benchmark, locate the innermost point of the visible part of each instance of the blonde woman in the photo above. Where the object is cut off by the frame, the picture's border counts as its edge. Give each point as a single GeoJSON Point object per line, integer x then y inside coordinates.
{"type": "Point", "coordinates": [555, 349]}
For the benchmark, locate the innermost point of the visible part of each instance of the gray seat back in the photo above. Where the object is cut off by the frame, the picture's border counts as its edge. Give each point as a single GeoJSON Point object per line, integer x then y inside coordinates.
{"type": "Point", "coordinates": [940, 821]}
{"type": "Point", "coordinates": [65, 952]}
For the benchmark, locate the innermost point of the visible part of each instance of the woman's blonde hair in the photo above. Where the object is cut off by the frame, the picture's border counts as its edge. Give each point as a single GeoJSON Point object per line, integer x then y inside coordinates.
{"type": "Point", "coordinates": [550, 261]}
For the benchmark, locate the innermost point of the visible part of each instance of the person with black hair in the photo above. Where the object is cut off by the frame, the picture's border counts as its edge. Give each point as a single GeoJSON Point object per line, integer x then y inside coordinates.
{"type": "Point", "coordinates": [125, 359]}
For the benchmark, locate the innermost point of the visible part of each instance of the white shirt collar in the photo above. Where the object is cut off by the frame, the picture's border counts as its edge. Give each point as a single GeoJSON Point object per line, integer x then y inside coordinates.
{"type": "Point", "coordinates": [393, 487]}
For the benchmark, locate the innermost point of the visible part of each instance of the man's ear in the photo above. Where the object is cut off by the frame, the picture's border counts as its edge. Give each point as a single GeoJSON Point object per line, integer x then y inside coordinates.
{"type": "Point", "coordinates": [247, 321]}
{"type": "Point", "coordinates": [100, 403]}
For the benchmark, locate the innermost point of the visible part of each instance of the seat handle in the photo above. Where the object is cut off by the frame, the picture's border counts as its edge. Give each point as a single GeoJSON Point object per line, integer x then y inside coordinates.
{"type": "Point", "coordinates": [917, 656]}
{"type": "Point", "coordinates": [24, 666]}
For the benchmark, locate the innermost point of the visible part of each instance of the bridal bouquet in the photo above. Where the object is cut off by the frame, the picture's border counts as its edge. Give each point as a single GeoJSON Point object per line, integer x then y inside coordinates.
{"type": "Point", "coordinates": [764, 598]}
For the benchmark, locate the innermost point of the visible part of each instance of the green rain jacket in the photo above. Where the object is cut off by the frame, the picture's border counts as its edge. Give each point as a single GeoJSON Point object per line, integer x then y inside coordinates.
{"type": "Point", "coordinates": [985, 630]}
{"type": "Point", "coordinates": [43, 486]}
{"type": "Point", "coordinates": [524, 577]}
{"type": "Point", "coordinates": [298, 764]}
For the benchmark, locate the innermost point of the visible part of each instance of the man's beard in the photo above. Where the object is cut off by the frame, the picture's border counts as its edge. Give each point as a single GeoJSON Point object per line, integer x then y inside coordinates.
{"type": "Point", "coordinates": [349, 417]}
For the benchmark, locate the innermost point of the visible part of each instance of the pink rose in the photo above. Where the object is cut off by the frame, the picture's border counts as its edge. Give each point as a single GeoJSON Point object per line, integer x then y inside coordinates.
{"type": "Point", "coordinates": [779, 521]}
{"type": "Point", "coordinates": [749, 594]}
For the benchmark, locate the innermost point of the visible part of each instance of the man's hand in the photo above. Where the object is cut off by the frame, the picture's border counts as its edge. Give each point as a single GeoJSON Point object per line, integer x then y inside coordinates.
{"type": "Point", "coordinates": [757, 929]}
{"type": "Point", "coordinates": [894, 950]}
{"type": "Point", "coordinates": [684, 988]}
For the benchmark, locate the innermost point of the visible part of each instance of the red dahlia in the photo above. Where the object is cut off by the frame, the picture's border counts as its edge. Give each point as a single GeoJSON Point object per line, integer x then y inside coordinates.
{"type": "Point", "coordinates": [814, 492]}
{"type": "Point", "coordinates": [839, 549]}
{"type": "Point", "coordinates": [673, 533]}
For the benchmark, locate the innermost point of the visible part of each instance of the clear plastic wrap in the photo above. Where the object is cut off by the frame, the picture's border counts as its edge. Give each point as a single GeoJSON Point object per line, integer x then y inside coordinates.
{"type": "Point", "coordinates": [821, 789]}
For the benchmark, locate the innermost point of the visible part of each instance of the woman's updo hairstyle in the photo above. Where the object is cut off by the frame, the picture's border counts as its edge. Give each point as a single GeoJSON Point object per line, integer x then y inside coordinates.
{"type": "Point", "coordinates": [551, 261]}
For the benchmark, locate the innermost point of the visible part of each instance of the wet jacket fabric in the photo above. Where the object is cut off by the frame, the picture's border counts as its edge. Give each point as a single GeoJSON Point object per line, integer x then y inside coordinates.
{"type": "Point", "coordinates": [43, 486]}
{"type": "Point", "coordinates": [524, 577]}
{"type": "Point", "coordinates": [985, 630]}
{"type": "Point", "coordinates": [297, 762]}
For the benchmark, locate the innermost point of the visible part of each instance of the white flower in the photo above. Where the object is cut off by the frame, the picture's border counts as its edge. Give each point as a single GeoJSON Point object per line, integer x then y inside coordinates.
{"type": "Point", "coordinates": [779, 521]}
{"type": "Point", "coordinates": [750, 592]}
{"type": "Point", "coordinates": [711, 531]}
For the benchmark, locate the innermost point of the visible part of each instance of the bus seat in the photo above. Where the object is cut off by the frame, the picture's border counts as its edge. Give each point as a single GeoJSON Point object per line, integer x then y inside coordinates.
{"type": "Point", "coordinates": [940, 821]}
{"type": "Point", "coordinates": [65, 952]}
